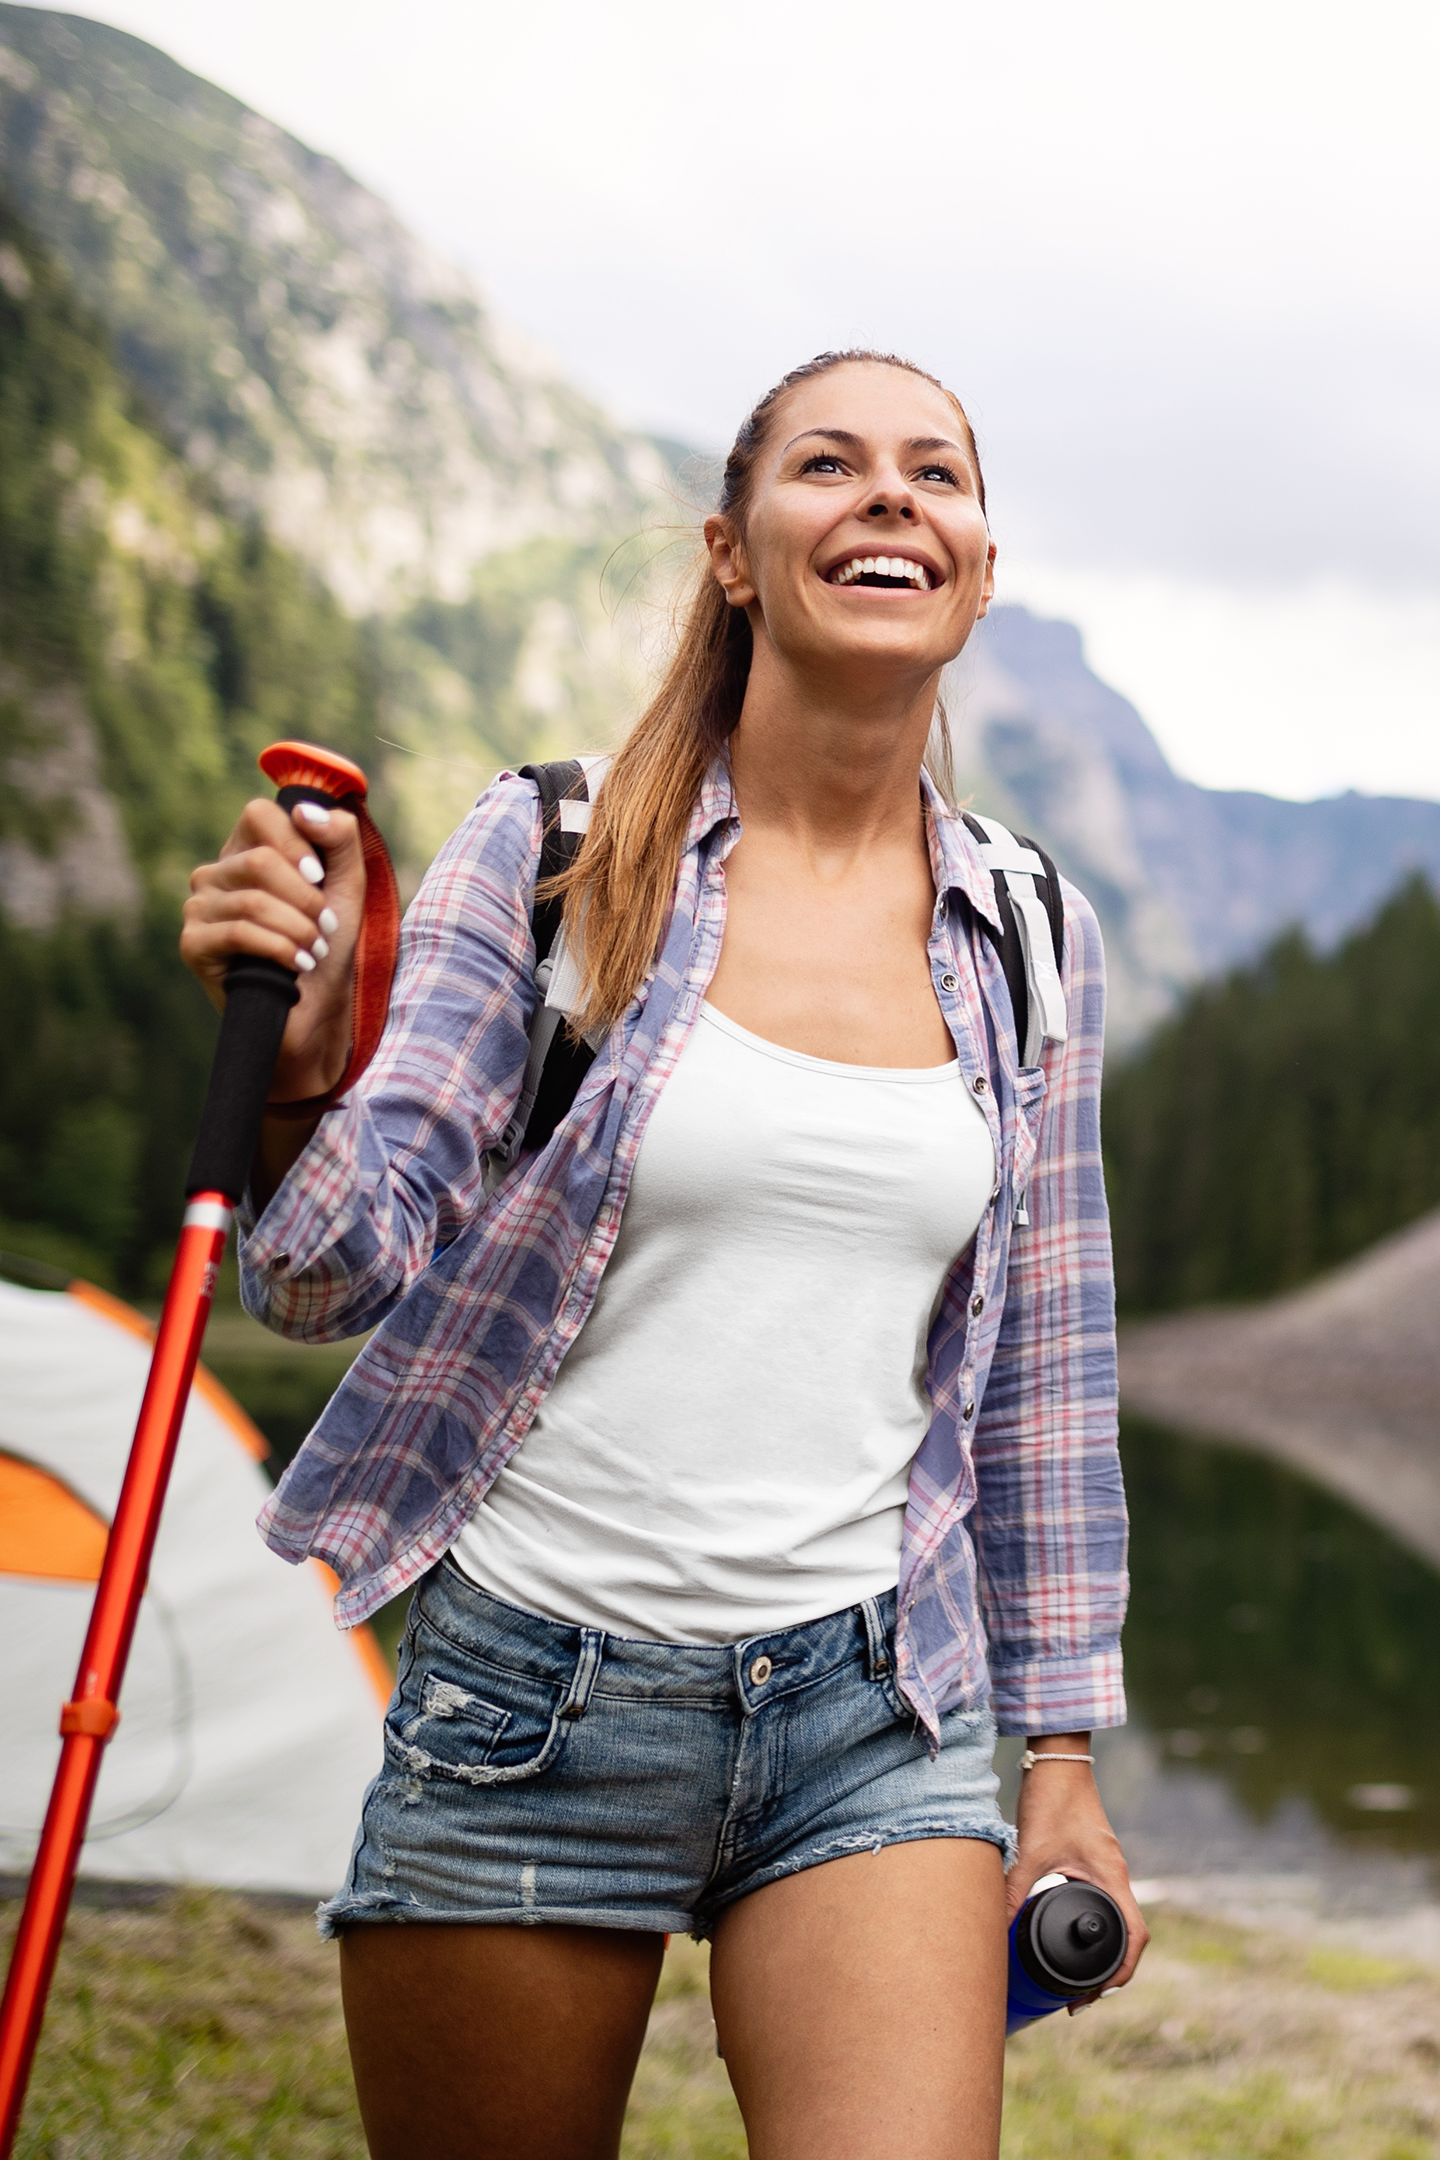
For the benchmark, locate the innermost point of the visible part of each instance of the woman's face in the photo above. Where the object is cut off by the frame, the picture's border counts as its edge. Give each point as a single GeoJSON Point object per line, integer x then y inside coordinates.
{"type": "Point", "coordinates": [865, 542]}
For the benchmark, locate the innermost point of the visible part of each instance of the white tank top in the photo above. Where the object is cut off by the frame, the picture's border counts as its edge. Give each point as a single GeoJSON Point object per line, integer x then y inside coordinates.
{"type": "Point", "coordinates": [726, 1447]}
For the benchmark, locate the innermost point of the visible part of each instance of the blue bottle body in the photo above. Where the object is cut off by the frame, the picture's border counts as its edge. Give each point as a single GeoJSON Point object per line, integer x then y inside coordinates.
{"type": "Point", "coordinates": [1049, 1967]}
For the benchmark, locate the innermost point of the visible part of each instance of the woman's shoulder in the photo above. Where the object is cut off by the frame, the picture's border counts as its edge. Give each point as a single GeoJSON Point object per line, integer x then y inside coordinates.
{"type": "Point", "coordinates": [491, 853]}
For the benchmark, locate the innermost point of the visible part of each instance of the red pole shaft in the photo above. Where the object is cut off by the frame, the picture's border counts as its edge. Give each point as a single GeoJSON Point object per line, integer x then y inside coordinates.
{"type": "Point", "coordinates": [89, 1718]}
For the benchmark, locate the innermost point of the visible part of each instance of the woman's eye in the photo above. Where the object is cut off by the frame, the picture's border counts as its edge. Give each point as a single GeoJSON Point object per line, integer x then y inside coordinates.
{"type": "Point", "coordinates": [823, 461]}
{"type": "Point", "coordinates": [946, 473]}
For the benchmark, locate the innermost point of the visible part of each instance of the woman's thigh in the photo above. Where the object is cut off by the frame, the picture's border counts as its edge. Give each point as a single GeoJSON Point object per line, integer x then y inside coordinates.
{"type": "Point", "coordinates": [861, 2005]}
{"type": "Point", "coordinates": [495, 2042]}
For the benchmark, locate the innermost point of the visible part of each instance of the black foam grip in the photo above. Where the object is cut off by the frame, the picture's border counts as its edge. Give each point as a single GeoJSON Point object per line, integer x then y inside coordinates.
{"type": "Point", "coordinates": [258, 998]}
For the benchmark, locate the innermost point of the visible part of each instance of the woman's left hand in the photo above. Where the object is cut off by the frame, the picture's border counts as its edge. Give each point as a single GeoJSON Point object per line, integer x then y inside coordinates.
{"type": "Point", "coordinates": [1064, 1830]}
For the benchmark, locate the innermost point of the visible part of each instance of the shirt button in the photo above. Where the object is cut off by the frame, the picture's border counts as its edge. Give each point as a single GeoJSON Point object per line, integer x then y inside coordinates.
{"type": "Point", "coordinates": [980, 1084]}
{"type": "Point", "coordinates": [949, 981]}
{"type": "Point", "coordinates": [977, 1306]}
{"type": "Point", "coordinates": [760, 1671]}
{"type": "Point", "coordinates": [969, 1411]}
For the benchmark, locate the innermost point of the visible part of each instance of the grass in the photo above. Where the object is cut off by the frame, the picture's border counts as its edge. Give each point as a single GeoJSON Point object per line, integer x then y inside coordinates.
{"type": "Point", "coordinates": [209, 2026]}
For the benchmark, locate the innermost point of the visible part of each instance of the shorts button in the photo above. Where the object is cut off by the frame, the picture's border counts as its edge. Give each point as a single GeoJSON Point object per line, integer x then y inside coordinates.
{"type": "Point", "coordinates": [760, 1671]}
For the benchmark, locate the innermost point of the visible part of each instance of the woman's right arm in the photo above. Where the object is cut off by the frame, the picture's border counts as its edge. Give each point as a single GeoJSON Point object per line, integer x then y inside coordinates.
{"type": "Point", "coordinates": [351, 1210]}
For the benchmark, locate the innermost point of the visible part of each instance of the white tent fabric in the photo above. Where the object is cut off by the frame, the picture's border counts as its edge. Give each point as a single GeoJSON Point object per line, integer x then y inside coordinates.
{"type": "Point", "coordinates": [249, 1726]}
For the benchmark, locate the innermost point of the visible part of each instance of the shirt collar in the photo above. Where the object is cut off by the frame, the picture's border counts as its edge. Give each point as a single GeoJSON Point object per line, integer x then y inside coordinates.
{"type": "Point", "coordinates": [955, 857]}
{"type": "Point", "coordinates": [714, 805]}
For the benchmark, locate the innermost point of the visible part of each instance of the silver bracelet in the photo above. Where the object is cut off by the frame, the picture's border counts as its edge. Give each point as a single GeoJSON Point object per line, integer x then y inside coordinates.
{"type": "Point", "coordinates": [1029, 1759]}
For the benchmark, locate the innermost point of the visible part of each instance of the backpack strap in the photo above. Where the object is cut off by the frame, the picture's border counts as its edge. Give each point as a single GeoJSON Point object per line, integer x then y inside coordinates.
{"type": "Point", "coordinates": [1031, 943]}
{"type": "Point", "coordinates": [557, 1062]}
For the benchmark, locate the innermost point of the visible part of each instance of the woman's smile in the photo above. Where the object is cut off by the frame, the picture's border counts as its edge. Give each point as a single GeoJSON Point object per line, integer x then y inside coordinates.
{"type": "Point", "coordinates": [902, 572]}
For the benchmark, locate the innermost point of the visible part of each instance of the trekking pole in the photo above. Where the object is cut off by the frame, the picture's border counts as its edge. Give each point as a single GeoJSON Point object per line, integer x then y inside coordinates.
{"type": "Point", "coordinates": [258, 997]}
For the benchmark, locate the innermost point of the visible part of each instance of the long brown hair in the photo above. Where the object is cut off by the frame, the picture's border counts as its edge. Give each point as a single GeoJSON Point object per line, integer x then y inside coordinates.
{"type": "Point", "coordinates": [619, 891]}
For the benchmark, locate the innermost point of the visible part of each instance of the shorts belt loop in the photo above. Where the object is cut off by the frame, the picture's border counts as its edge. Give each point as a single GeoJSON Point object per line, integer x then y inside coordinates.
{"type": "Point", "coordinates": [587, 1671]}
{"type": "Point", "coordinates": [877, 1641]}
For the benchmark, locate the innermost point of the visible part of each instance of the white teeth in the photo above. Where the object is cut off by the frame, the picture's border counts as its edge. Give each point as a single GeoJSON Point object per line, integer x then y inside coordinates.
{"type": "Point", "coordinates": [894, 566]}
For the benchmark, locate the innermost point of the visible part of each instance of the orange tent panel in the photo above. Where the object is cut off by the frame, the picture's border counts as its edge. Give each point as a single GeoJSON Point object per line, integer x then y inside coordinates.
{"type": "Point", "coordinates": [45, 1530]}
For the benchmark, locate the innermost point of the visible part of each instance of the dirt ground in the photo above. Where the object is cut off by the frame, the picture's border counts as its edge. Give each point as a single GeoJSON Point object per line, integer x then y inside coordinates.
{"type": "Point", "coordinates": [210, 2025]}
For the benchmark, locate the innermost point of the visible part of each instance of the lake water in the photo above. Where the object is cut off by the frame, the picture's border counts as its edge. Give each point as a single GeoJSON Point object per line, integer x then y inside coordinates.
{"type": "Point", "coordinates": [1283, 1668]}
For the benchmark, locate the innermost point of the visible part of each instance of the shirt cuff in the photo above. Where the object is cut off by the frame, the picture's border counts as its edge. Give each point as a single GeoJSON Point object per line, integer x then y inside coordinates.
{"type": "Point", "coordinates": [1059, 1695]}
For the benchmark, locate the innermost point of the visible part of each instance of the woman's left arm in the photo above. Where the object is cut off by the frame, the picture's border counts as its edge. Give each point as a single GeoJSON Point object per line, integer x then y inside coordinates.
{"type": "Point", "coordinates": [1064, 1830]}
{"type": "Point", "coordinates": [1049, 1523]}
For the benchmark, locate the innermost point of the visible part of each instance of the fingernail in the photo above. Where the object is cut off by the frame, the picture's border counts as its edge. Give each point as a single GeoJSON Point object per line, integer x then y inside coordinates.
{"type": "Point", "coordinates": [1076, 2008]}
{"type": "Point", "coordinates": [1108, 1991]}
{"type": "Point", "coordinates": [314, 813]}
{"type": "Point", "coordinates": [304, 962]}
{"type": "Point", "coordinates": [311, 869]}
{"type": "Point", "coordinates": [329, 921]}
{"type": "Point", "coordinates": [319, 948]}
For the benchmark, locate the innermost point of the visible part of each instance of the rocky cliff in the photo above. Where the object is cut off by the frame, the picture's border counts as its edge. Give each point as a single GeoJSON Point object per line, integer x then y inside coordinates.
{"type": "Point", "coordinates": [1187, 880]}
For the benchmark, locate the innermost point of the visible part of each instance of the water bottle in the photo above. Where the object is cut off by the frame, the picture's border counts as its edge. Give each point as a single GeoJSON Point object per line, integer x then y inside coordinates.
{"type": "Point", "coordinates": [1067, 1939]}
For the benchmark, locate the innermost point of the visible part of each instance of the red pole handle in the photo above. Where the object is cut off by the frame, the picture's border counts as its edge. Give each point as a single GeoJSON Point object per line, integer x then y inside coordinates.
{"type": "Point", "coordinates": [91, 1715]}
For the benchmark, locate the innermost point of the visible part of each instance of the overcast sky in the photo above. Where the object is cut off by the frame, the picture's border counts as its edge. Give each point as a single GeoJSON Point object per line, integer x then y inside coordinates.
{"type": "Point", "coordinates": [1182, 263]}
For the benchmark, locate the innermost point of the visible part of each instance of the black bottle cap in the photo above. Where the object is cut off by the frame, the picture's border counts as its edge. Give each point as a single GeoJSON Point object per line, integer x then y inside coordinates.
{"type": "Point", "coordinates": [1072, 1938]}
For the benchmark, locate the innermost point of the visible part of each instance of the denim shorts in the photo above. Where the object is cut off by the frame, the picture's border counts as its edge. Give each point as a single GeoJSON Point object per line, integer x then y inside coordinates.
{"type": "Point", "coordinates": [537, 1773]}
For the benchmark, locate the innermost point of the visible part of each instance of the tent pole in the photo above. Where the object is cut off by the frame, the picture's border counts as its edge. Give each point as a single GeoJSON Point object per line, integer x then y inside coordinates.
{"type": "Point", "coordinates": [259, 995]}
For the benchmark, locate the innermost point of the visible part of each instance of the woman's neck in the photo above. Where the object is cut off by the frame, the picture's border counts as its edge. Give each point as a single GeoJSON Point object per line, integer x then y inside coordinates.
{"type": "Point", "coordinates": [833, 767]}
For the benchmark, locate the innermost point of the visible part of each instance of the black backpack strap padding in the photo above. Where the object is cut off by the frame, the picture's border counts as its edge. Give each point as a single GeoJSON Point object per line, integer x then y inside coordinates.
{"type": "Point", "coordinates": [1008, 947]}
{"type": "Point", "coordinates": [561, 779]}
{"type": "Point", "coordinates": [568, 1060]}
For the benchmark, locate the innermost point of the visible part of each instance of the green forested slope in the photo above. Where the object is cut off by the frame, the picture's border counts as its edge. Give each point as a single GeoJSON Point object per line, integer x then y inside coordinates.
{"type": "Point", "coordinates": [148, 645]}
{"type": "Point", "coordinates": [1283, 1119]}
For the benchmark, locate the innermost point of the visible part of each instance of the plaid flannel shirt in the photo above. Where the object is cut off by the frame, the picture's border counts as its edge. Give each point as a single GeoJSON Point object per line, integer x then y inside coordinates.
{"type": "Point", "coordinates": [1012, 1574]}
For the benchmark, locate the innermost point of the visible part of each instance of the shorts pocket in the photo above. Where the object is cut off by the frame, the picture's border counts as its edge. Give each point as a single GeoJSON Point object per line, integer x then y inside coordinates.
{"type": "Point", "coordinates": [464, 1719]}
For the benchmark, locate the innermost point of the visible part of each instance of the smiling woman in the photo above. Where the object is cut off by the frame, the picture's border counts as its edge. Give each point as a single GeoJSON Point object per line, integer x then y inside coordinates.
{"type": "Point", "coordinates": [753, 1440]}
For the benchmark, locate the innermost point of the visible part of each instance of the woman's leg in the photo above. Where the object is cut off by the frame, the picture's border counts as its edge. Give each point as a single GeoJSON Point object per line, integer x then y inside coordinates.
{"type": "Point", "coordinates": [861, 2005]}
{"type": "Point", "coordinates": [495, 2043]}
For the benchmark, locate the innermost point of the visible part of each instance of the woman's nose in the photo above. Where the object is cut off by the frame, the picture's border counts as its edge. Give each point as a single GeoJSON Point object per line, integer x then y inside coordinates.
{"type": "Point", "coordinates": [883, 505]}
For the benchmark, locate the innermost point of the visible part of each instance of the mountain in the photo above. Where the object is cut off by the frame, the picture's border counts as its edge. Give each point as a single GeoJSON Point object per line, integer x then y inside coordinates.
{"type": "Point", "coordinates": [348, 393]}
{"type": "Point", "coordinates": [149, 645]}
{"type": "Point", "coordinates": [292, 337]}
{"type": "Point", "coordinates": [1187, 881]}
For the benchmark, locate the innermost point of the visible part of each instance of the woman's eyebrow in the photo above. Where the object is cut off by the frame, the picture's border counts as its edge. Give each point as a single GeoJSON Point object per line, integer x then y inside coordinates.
{"type": "Point", "coordinates": [831, 434]}
{"type": "Point", "coordinates": [856, 442]}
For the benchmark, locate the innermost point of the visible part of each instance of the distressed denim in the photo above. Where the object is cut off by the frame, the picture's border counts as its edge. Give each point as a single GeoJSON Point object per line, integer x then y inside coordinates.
{"type": "Point", "coordinates": [539, 1773]}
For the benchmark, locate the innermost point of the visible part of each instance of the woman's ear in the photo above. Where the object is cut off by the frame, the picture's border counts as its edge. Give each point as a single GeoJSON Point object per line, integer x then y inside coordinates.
{"type": "Point", "coordinates": [987, 589]}
{"type": "Point", "coordinates": [727, 561]}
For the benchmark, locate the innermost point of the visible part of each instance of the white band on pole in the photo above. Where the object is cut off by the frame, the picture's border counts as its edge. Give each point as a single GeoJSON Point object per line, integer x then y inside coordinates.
{"type": "Point", "coordinates": [207, 1215]}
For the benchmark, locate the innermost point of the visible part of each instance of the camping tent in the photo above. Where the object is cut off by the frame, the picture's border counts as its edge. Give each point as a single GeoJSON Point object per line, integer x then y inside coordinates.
{"type": "Point", "coordinates": [249, 1726]}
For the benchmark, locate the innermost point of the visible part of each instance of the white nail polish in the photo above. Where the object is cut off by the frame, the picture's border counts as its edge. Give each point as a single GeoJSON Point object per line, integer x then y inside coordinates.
{"type": "Point", "coordinates": [329, 921]}
{"type": "Point", "coordinates": [319, 948]}
{"type": "Point", "coordinates": [304, 962]}
{"type": "Point", "coordinates": [312, 870]}
{"type": "Point", "coordinates": [314, 813]}
{"type": "Point", "coordinates": [1108, 1991]}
